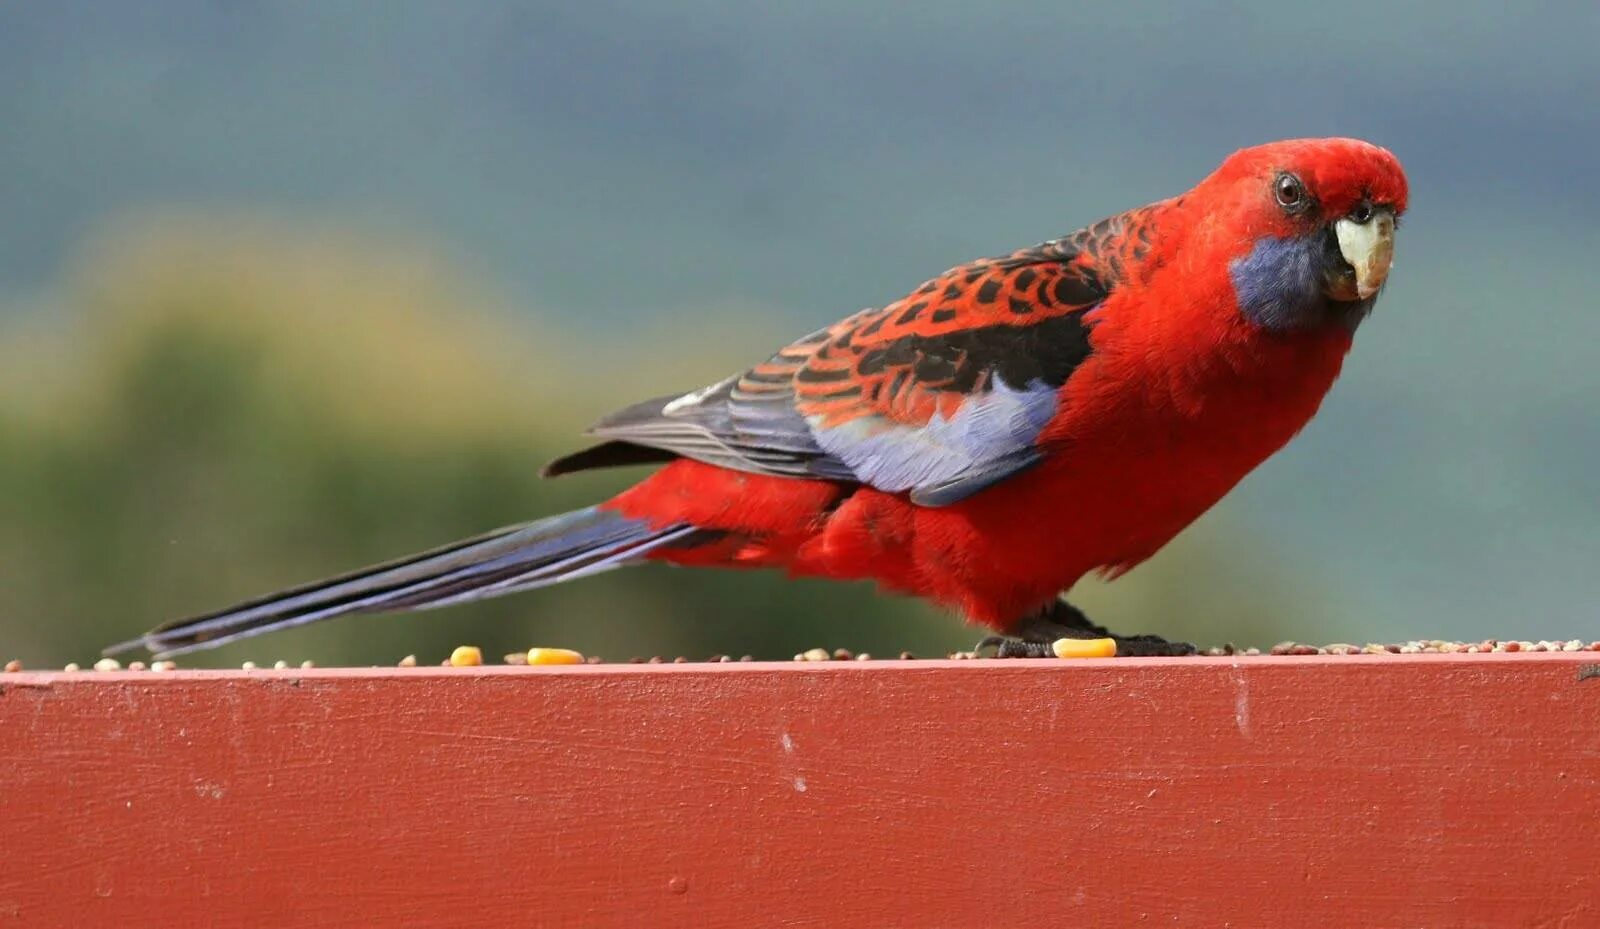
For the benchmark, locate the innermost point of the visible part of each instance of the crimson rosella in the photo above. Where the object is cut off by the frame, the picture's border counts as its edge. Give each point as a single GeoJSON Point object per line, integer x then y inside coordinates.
{"type": "Point", "coordinates": [1008, 427]}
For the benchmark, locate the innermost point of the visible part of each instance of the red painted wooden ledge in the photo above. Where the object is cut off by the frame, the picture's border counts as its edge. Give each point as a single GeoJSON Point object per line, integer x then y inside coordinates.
{"type": "Point", "coordinates": [1375, 791]}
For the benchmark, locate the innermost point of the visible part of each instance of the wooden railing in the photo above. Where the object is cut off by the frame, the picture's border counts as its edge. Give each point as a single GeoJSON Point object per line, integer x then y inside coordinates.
{"type": "Point", "coordinates": [1365, 792]}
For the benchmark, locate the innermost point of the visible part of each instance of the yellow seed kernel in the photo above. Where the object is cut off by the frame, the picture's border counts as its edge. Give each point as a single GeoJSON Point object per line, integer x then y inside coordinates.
{"type": "Point", "coordinates": [466, 656]}
{"type": "Point", "coordinates": [1084, 648]}
{"type": "Point", "coordinates": [554, 656]}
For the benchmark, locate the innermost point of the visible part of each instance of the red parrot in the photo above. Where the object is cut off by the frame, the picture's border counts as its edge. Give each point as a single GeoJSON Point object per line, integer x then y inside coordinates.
{"type": "Point", "coordinates": [1003, 430]}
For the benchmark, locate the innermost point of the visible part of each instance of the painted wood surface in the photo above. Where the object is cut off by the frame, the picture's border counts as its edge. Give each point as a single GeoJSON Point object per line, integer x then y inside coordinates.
{"type": "Point", "coordinates": [1365, 792]}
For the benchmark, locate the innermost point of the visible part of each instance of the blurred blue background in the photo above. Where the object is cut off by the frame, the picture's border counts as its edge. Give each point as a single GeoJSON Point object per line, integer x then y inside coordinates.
{"type": "Point", "coordinates": [289, 287]}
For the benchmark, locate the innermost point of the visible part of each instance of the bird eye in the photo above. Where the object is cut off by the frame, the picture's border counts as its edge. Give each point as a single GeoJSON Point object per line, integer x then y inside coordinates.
{"type": "Point", "coordinates": [1362, 214]}
{"type": "Point", "coordinates": [1290, 192]}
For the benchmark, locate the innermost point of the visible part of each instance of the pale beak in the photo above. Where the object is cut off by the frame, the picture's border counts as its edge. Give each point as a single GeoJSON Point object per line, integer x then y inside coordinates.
{"type": "Point", "coordinates": [1368, 248]}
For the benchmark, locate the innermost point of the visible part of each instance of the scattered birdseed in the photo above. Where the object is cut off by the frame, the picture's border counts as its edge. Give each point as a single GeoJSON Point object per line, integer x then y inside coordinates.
{"type": "Point", "coordinates": [13, 666]}
{"type": "Point", "coordinates": [1084, 648]}
{"type": "Point", "coordinates": [467, 655]}
{"type": "Point", "coordinates": [307, 665]}
{"type": "Point", "coordinates": [280, 665]}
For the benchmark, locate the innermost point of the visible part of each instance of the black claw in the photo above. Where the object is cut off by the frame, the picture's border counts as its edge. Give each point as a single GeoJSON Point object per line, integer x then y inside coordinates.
{"type": "Point", "coordinates": [1035, 635]}
{"type": "Point", "coordinates": [1007, 647]}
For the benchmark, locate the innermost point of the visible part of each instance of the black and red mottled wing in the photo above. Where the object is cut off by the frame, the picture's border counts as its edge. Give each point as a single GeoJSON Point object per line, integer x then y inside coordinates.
{"type": "Point", "coordinates": [939, 394]}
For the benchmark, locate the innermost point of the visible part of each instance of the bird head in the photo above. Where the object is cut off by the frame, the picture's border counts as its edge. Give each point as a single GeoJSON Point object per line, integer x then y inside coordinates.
{"type": "Point", "coordinates": [1309, 225]}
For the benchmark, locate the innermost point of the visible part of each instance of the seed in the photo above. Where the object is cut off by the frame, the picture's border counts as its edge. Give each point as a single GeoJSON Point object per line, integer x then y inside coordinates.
{"type": "Point", "coordinates": [163, 665]}
{"type": "Point", "coordinates": [814, 654]}
{"type": "Point", "coordinates": [307, 665]}
{"type": "Point", "coordinates": [135, 666]}
{"type": "Point", "coordinates": [108, 664]}
{"type": "Point", "coordinates": [280, 665]}
{"type": "Point", "coordinates": [13, 666]}
{"type": "Point", "coordinates": [409, 661]}
{"type": "Point", "coordinates": [521, 658]}
{"type": "Point", "coordinates": [72, 666]}
{"type": "Point", "coordinates": [1084, 648]}
{"type": "Point", "coordinates": [466, 656]}
{"type": "Point", "coordinates": [553, 656]}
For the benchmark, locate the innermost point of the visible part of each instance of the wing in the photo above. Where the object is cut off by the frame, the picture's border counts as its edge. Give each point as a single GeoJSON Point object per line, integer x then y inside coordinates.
{"type": "Point", "coordinates": [940, 394]}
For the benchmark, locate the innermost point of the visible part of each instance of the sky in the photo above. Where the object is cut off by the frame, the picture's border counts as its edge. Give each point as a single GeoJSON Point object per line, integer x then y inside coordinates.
{"type": "Point", "coordinates": [608, 164]}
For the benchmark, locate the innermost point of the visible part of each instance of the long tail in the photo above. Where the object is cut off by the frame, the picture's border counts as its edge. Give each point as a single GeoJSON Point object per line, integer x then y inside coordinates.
{"type": "Point", "coordinates": [534, 554]}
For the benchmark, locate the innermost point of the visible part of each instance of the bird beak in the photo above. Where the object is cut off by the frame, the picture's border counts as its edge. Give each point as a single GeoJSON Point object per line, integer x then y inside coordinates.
{"type": "Point", "coordinates": [1369, 250]}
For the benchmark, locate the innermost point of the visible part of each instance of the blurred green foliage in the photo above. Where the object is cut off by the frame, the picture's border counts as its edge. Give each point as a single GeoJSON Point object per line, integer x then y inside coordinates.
{"type": "Point", "coordinates": [210, 408]}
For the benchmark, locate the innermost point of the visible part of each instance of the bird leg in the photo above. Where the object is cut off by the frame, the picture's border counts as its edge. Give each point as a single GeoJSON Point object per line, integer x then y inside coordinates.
{"type": "Point", "coordinates": [1034, 634]}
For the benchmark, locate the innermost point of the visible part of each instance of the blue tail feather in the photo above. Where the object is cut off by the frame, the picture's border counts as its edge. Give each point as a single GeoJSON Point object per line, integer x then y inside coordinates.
{"type": "Point", "coordinates": [535, 554]}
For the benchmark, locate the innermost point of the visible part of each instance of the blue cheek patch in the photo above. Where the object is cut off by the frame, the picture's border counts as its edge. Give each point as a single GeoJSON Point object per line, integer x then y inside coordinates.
{"type": "Point", "coordinates": [1279, 284]}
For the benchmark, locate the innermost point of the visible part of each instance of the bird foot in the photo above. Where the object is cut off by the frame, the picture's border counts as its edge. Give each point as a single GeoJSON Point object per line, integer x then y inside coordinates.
{"type": "Point", "coordinates": [1127, 646]}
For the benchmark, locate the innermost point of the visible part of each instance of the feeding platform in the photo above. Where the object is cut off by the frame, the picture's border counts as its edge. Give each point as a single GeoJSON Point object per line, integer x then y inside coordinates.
{"type": "Point", "coordinates": [1360, 791]}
